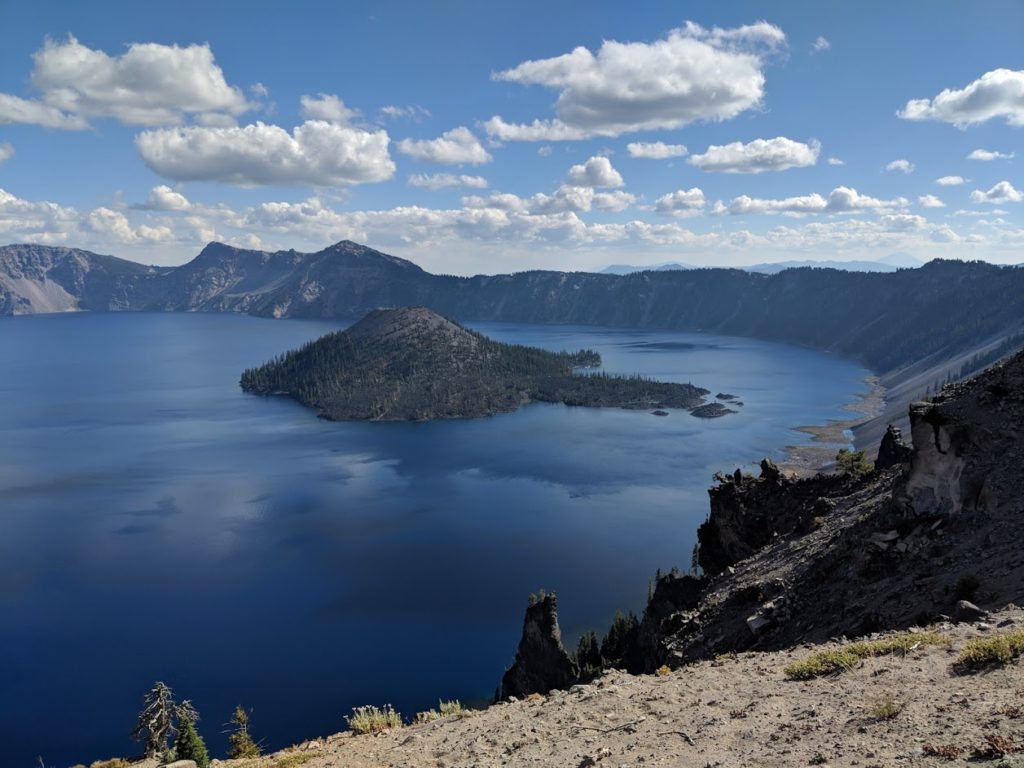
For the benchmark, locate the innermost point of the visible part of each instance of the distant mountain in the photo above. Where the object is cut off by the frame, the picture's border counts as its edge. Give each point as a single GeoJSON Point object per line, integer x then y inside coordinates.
{"type": "Point", "coordinates": [772, 268]}
{"type": "Point", "coordinates": [888, 321]}
{"type": "Point", "coordinates": [413, 364]}
{"type": "Point", "coordinates": [626, 269]}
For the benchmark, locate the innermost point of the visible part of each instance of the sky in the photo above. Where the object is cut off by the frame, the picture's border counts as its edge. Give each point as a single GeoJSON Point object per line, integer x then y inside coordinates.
{"type": "Point", "coordinates": [482, 137]}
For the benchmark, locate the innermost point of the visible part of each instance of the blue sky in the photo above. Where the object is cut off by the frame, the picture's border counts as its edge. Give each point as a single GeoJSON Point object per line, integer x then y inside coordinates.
{"type": "Point", "coordinates": [476, 137]}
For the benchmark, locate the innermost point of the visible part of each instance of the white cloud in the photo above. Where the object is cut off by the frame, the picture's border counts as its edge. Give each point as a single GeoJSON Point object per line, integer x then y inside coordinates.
{"type": "Point", "coordinates": [692, 74]}
{"type": "Point", "coordinates": [836, 161]}
{"type": "Point", "coordinates": [545, 151]}
{"type": "Point", "coordinates": [757, 156]}
{"type": "Point", "coordinates": [149, 84]}
{"type": "Point", "coordinates": [614, 201]}
{"type": "Point", "coordinates": [681, 203]}
{"type": "Point", "coordinates": [316, 153]}
{"type": "Point", "coordinates": [6, 152]}
{"type": "Point", "coordinates": [655, 150]}
{"type": "Point", "coordinates": [986, 155]}
{"type": "Point", "coordinates": [326, 106]}
{"type": "Point", "coordinates": [820, 44]}
{"type": "Point", "coordinates": [163, 198]}
{"type": "Point", "coordinates": [17, 110]}
{"type": "Point", "coordinates": [999, 93]}
{"type": "Point", "coordinates": [113, 226]}
{"type": "Point", "coordinates": [259, 90]}
{"type": "Point", "coordinates": [903, 166]}
{"type": "Point", "coordinates": [950, 181]}
{"type": "Point", "coordinates": [596, 172]}
{"type": "Point", "coordinates": [408, 112]}
{"type": "Point", "coordinates": [840, 200]}
{"type": "Point", "coordinates": [446, 181]}
{"type": "Point", "coordinates": [455, 147]}
{"type": "Point", "coordinates": [1003, 192]}
{"type": "Point", "coordinates": [930, 201]}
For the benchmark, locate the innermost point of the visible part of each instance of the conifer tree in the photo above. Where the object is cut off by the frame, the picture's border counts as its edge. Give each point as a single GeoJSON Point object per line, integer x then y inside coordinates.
{"type": "Point", "coordinates": [240, 743]}
{"type": "Point", "coordinates": [189, 745]}
{"type": "Point", "coordinates": [155, 719]}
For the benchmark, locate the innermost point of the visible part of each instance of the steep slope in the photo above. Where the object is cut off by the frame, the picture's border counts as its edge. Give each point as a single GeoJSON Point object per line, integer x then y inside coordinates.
{"type": "Point", "coordinates": [38, 278]}
{"type": "Point", "coordinates": [413, 364]}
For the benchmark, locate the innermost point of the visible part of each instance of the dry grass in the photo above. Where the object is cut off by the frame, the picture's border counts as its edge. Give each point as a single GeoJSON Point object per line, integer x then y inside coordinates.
{"type": "Point", "coordinates": [116, 762]}
{"type": "Point", "coordinates": [292, 760]}
{"type": "Point", "coordinates": [452, 708]}
{"type": "Point", "coordinates": [663, 671]}
{"type": "Point", "coordinates": [885, 707]}
{"type": "Point", "coordinates": [834, 660]}
{"type": "Point", "coordinates": [370, 719]}
{"type": "Point", "coordinates": [986, 651]}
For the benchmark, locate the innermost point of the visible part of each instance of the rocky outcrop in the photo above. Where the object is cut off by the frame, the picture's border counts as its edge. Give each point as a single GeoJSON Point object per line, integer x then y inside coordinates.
{"type": "Point", "coordinates": [748, 512]}
{"type": "Point", "coordinates": [541, 663]}
{"type": "Point", "coordinates": [892, 450]}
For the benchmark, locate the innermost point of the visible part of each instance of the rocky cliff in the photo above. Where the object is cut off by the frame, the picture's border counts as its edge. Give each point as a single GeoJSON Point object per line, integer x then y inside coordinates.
{"type": "Point", "coordinates": [933, 532]}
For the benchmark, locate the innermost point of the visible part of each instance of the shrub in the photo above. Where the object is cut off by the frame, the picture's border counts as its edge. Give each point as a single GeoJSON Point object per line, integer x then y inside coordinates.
{"type": "Point", "coordinates": [985, 651]}
{"type": "Point", "coordinates": [854, 463]}
{"type": "Point", "coordinates": [451, 708]}
{"type": "Point", "coordinates": [663, 671]}
{"type": "Point", "coordinates": [833, 660]}
{"type": "Point", "coordinates": [370, 719]}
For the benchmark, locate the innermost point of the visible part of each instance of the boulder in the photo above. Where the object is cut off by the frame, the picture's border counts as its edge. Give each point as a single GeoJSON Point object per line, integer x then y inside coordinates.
{"type": "Point", "coordinates": [968, 612]}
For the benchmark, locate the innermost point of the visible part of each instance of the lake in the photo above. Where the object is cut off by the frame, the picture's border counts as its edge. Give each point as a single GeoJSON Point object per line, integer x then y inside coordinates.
{"type": "Point", "coordinates": [156, 523]}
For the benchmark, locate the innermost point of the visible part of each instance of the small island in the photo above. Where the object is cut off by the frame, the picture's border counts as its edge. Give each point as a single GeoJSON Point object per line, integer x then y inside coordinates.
{"type": "Point", "coordinates": [412, 364]}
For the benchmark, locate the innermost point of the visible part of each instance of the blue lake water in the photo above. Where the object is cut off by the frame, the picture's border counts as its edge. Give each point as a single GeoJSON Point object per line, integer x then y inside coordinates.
{"type": "Point", "coordinates": [158, 523]}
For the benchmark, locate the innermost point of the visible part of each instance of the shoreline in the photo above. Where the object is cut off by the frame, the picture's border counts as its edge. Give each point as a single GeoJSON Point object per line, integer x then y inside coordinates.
{"type": "Point", "coordinates": [828, 438]}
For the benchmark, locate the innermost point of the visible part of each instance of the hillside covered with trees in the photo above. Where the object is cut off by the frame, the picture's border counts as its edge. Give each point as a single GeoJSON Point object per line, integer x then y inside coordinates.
{"type": "Point", "coordinates": [414, 364]}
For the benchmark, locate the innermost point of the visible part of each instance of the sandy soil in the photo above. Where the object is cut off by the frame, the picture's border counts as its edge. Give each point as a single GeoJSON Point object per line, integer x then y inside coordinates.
{"type": "Point", "coordinates": [737, 711]}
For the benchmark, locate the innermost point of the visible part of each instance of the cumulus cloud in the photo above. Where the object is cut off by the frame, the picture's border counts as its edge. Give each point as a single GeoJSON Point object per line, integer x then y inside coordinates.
{"type": "Point", "coordinates": [999, 93]}
{"type": "Point", "coordinates": [596, 172]}
{"type": "Point", "coordinates": [446, 181]}
{"type": "Point", "coordinates": [455, 147]}
{"type": "Point", "coordinates": [690, 75]}
{"type": "Point", "coordinates": [757, 156]}
{"type": "Point", "coordinates": [149, 84]}
{"type": "Point", "coordinates": [987, 155]}
{"type": "Point", "coordinates": [840, 200]}
{"type": "Point", "coordinates": [950, 181]}
{"type": "Point", "coordinates": [14, 109]}
{"type": "Point", "coordinates": [681, 203]}
{"type": "Point", "coordinates": [903, 166]}
{"type": "Point", "coordinates": [6, 152]}
{"type": "Point", "coordinates": [820, 44]}
{"type": "Point", "coordinates": [163, 198]}
{"type": "Point", "coordinates": [836, 161]}
{"type": "Point", "coordinates": [930, 201]}
{"type": "Point", "coordinates": [326, 106]}
{"type": "Point", "coordinates": [1003, 192]}
{"type": "Point", "coordinates": [315, 153]}
{"type": "Point", "coordinates": [655, 150]}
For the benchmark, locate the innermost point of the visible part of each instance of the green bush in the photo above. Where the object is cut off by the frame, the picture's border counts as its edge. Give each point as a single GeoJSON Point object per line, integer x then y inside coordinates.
{"type": "Point", "coordinates": [370, 719]}
{"type": "Point", "coordinates": [998, 649]}
{"type": "Point", "coordinates": [855, 463]}
{"type": "Point", "coordinates": [240, 743]}
{"type": "Point", "coordinates": [833, 660]}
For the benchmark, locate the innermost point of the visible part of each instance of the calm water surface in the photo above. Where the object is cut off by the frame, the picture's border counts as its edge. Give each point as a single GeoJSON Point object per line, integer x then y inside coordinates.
{"type": "Point", "coordinates": [158, 523]}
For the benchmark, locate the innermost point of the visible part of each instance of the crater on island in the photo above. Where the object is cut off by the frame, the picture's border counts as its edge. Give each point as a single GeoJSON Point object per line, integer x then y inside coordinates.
{"type": "Point", "coordinates": [412, 364]}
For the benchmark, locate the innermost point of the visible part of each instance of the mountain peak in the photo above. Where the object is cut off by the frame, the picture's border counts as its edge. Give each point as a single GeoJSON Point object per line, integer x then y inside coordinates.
{"type": "Point", "coordinates": [407, 323]}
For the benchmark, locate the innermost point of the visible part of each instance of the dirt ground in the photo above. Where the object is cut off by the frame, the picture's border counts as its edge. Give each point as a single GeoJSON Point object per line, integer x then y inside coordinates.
{"type": "Point", "coordinates": [736, 711]}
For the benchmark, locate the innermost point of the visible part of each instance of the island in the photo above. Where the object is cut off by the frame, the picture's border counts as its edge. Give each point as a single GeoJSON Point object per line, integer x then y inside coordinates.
{"type": "Point", "coordinates": [412, 364]}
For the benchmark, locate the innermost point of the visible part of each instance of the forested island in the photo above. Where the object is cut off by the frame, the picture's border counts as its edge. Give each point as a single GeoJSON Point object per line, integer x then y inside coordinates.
{"type": "Point", "coordinates": [412, 364]}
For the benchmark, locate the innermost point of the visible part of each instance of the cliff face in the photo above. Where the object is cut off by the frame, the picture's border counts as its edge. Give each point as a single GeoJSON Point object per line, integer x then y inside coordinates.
{"type": "Point", "coordinates": [790, 561]}
{"type": "Point", "coordinates": [541, 662]}
{"type": "Point", "coordinates": [887, 321]}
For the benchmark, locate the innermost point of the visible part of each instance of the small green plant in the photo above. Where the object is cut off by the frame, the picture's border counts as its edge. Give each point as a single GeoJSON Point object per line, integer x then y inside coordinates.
{"type": "Point", "coordinates": [371, 719]}
{"type": "Point", "coordinates": [855, 463]}
{"type": "Point", "coordinates": [240, 743]}
{"type": "Point", "coordinates": [986, 651]}
{"type": "Point", "coordinates": [834, 660]}
{"type": "Point", "coordinates": [885, 707]}
{"type": "Point", "coordinates": [663, 671]}
{"type": "Point", "coordinates": [451, 708]}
